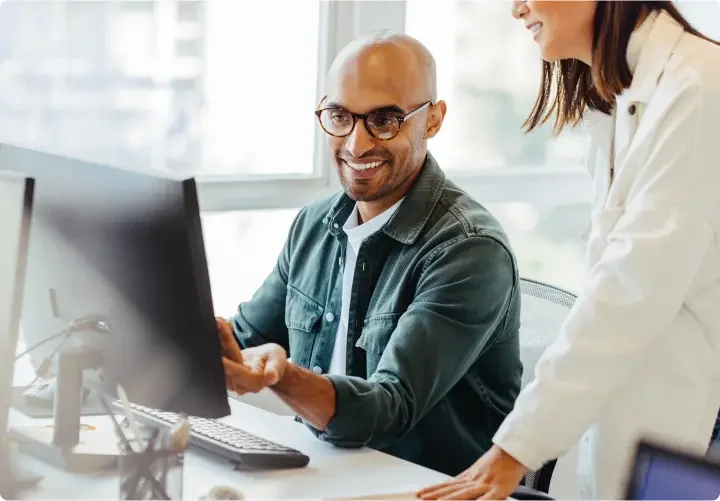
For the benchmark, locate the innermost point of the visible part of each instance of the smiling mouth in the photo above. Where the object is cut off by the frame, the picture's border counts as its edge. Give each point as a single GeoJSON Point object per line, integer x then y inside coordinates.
{"type": "Point", "coordinates": [534, 28]}
{"type": "Point", "coordinates": [364, 166]}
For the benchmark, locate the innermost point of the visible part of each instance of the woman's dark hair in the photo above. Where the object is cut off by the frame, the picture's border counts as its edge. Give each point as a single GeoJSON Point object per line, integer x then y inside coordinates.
{"type": "Point", "coordinates": [578, 86]}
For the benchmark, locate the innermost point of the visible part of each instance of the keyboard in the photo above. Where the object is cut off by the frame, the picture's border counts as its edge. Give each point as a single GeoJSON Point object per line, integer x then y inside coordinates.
{"type": "Point", "coordinates": [248, 451]}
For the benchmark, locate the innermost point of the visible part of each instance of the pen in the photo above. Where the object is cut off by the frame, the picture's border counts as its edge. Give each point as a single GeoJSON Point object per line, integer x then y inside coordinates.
{"type": "Point", "coordinates": [118, 430]}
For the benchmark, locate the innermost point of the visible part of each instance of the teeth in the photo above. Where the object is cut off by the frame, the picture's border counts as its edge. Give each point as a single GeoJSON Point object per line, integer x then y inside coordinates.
{"type": "Point", "coordinates": [535, 28]}
{"type": "Point", "coordinates": [364, 166]}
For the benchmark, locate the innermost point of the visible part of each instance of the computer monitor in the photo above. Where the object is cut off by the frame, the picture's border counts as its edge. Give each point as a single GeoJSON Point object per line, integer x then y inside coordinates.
{"type": "Point", "coordinates": [16, 197]}
{"type": "Point", "coordinates": [662, 472]}
{"type": "Point", "coordinates": [125, 247]}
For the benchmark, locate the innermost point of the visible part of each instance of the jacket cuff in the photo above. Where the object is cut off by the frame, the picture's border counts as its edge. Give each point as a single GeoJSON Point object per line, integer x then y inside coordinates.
{"type": "Point", "coordinates": [347, 427]}
{"type": "Point", "coordinates": [516, 443]}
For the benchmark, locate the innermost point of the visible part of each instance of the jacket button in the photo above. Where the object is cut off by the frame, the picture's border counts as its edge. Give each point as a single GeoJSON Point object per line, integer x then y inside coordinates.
{"type": "Point", "coordinates": [632, 109]}
{"type": "Point", "coordinates": [330, 317]}
{"type": "Point", "coordinates": [317, 369]}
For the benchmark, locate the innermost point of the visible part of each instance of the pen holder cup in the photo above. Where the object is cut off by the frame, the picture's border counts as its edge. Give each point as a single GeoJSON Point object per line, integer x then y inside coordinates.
{"type": "Point", "coordinates": [151, 475]}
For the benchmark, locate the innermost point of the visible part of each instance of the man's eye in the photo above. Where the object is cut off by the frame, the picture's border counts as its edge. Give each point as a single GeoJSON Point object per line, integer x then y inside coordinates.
{"type": "Point", "coordinates": [383, 120]}
{"type": "Point", "coordinates": [339, 118]}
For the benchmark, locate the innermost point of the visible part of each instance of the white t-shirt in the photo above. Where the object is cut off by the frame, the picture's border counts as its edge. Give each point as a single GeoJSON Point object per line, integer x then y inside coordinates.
{"type": "Point", "coordinates": [355, 236]}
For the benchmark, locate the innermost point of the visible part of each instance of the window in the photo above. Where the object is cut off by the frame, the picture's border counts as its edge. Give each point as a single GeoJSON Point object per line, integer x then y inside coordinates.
{"type": "Point", "coordinates": [225, 91]}
{"type": "Point", "coordinates": [488, 73]}
{"type": "Point", "coordinates": [178, 85]}
{"type": "Point", "coordinates": [242, 250]}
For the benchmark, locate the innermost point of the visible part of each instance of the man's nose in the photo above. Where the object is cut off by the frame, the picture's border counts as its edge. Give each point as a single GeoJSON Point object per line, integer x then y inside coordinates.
{"type": "Point", "coordinates": [359, 141]}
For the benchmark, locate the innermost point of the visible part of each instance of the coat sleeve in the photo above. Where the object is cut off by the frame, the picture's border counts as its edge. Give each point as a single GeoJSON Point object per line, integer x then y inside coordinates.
{"type": "Point", "coordinates": [635, 290]}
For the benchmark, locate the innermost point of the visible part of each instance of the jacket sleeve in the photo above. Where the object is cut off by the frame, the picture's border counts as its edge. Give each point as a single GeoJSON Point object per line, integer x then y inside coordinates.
{"type": "Point", "coordinates": [461, 303]}
{"type": "Point", "coordinates": [261, 320]}
{"type": "Point", "coordinates": [648, 268]}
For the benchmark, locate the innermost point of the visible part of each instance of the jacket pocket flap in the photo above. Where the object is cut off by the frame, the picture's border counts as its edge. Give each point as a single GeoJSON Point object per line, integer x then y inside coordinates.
{"type": "Point", "coordinates": [377, 331]}
{"type": "Point", "coordinates": [301, 312]}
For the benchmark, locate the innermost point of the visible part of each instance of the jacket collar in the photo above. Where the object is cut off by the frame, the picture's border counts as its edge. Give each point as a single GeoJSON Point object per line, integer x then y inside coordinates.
{"type": "Point", "coordinates": [414, 212]}
{"type": "Point", "coordinates": [654, 51]}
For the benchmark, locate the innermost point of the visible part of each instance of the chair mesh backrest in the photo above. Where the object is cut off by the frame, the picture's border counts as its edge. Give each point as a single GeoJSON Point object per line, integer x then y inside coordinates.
{"type": "Point", "coordinates": [544, 309]}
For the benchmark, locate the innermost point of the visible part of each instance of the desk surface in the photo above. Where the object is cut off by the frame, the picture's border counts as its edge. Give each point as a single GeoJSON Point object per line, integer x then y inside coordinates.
{"type": "Point", "coordinates": [332, 473]}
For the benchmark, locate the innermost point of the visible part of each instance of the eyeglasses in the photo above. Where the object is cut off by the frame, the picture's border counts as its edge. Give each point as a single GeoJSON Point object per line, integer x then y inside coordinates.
{"type": "Point", "coordinates": [383, 124]}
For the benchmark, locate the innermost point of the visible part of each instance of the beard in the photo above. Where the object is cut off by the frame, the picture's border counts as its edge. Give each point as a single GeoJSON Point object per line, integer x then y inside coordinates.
{"type": "Point", "coordinates": [369, 190]}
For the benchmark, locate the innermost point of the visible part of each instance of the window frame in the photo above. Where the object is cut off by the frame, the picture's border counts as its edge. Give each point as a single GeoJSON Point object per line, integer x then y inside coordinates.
{"type": "Point", "coordinates": [340, 22]}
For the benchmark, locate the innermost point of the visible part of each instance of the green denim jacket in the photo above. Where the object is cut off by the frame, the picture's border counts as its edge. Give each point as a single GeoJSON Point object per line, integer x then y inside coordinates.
{"type": "Point", "coordinates": [433, 362]}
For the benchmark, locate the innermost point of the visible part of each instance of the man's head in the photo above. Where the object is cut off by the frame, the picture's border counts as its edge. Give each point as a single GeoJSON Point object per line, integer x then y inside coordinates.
{"type": "Point", "coordinates": [385, 76]}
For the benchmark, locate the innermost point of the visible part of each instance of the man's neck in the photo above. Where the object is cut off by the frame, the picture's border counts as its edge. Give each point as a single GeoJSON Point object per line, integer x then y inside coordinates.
{"type": "Point", "coordinates": [370, 210]}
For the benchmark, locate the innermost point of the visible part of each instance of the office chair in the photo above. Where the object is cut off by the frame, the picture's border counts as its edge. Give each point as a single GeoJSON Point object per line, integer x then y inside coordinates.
{"type": "Point", "coordinates": [543, 311]}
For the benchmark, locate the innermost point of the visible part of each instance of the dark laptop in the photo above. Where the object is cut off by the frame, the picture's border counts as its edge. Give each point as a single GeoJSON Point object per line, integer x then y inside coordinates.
{"type": "Point", "coordinates": [660, 472]}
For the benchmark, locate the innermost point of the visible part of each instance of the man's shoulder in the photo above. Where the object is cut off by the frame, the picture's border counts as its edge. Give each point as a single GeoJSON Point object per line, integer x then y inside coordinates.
{"type": "Point", "coordinates": [458, 215]}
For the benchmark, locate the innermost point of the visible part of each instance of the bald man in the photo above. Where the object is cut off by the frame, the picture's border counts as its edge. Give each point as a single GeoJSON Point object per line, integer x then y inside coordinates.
{"type": "Point", "coordinates": [397, 299]}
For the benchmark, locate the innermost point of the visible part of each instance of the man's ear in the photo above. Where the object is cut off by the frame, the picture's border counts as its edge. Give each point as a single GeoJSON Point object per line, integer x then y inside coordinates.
{"type": "Point", "coordinates": [436, 115]}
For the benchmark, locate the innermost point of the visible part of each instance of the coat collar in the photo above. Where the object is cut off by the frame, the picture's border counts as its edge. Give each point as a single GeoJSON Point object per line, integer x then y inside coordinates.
{"type": "Point", "coordinates": [414, 212]}
{"type": "Point", "coordinates": [652, 52]}
{"type": "Point", "coordinates": [656, 51]}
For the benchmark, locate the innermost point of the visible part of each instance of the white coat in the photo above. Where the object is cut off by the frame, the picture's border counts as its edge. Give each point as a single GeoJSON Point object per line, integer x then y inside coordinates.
{"type": "Point", "coordinates": [639, 353]}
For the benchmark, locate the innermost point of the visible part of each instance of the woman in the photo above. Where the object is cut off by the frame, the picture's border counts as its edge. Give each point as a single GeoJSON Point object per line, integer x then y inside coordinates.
{"type": "Point", "coordinates": [640, 352]}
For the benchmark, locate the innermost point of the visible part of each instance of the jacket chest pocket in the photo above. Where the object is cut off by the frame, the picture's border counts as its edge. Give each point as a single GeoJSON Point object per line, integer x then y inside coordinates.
{"type": "Point", "coordinates": [376, 333]}
{"type": "Point", "coordinates": [602, 223]}
{"type": "Point", "coordinates": [302, 318]}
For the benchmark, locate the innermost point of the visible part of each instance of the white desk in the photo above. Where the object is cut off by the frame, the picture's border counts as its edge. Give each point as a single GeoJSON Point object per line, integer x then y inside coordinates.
{"type": "Point", "coordinates": [332, 472]}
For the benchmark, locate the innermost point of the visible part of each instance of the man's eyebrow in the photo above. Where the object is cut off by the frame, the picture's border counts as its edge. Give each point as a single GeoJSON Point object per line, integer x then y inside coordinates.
{"type": "Point", "coordinates": [388, 108]}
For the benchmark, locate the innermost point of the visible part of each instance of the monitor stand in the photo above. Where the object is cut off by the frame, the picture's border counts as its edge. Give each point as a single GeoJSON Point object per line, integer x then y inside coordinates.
{"type": "Point", "coordinates": [67, 444]}
{"type": "Point", "coordinates": [14, 479]}
{"type": "Point", "coordinates": [42, 409]}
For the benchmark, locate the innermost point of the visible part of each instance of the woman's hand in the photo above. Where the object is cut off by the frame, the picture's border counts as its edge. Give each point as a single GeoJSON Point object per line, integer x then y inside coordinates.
{"type": "Point", "coordinates": [494, 476]}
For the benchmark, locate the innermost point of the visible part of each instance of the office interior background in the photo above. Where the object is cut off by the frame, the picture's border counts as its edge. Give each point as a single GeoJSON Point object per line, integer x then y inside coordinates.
{"type": "Point", "coordinates": [224, 90]}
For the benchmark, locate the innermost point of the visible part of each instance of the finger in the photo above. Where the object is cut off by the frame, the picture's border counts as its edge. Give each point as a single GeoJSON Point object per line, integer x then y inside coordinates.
{"type": "Point", "coordinates": [443, 491]}
{"type": "Point", "coordinates": [442, 485]}
{"type": "Point", "coordinates": [429, 491]}
{"type": "Point", "coordinates": [240, 392]}
{"type": "Point", "coordinates": [231, 386]}
{"type": "Point", "coordinates": [474, 491]}
{"type": "Point", "coordinates": [467, 475]}
{"type": "Point", "coordinates": [258, 363]}
{"type": "Point", "coordinates": [243, 377]}
{"type": "Point", "coordinates": [224, 327]}
{"type": "Point", "coordinates": [230, 346]}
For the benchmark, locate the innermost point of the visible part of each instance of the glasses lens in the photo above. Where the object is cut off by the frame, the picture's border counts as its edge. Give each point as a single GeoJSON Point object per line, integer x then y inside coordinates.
{"type": "Point", "coordinates": [336, 122]}
{"type": "Point", "coordinates": [383, 124]}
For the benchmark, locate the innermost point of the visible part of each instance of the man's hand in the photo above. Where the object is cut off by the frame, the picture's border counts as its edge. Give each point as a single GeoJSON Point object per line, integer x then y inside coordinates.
{"type": "Point", "coordinates": [310, 395]}
{"type": "Point", "coordinates": [493, 476]}
{"type": "Point", "coordinates": [253, 369]}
